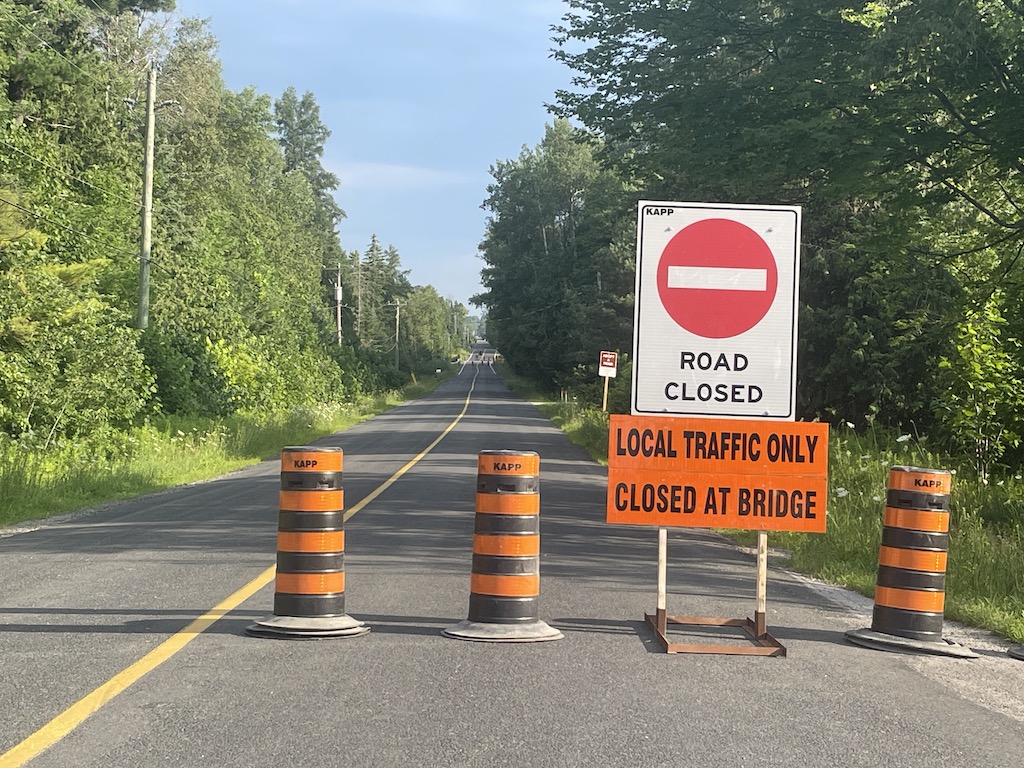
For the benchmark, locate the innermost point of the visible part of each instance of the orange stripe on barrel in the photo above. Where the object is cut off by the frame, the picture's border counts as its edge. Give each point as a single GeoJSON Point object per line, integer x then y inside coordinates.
{"type": "Point", "coordinates": [508, 464]}
{"type": "Point", "coordinates": [917, 520]}
{"type": "Point", "coordinates": [506, 546]}
{"type": "Point", "coordinates": [311, 541]}
{"type": "Point", "coordinates": [938, 483]}
{"type": "Point", "coordinates": [313, 501]}
{"type": "Point", "coordinates": [910, 599]}
{"type": "Point", "coordinates": [505, 586]}
{"type": "Point", "coordinates": [913, 559]}
{"type": "Point", "coordinates": [310, 583]}
{"type": "Point", "coordinates": [508, 503]}
{"type": "Point", "coordinates": [311, 461]}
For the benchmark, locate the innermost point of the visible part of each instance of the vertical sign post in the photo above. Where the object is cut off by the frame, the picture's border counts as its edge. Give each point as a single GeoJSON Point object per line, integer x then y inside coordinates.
{"type": "Point", "coordinates": [607, 368]}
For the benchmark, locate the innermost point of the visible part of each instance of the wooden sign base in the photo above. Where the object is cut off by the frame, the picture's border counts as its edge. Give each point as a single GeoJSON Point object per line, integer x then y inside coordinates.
{"type": "Point", "coordinates": [756, 629]}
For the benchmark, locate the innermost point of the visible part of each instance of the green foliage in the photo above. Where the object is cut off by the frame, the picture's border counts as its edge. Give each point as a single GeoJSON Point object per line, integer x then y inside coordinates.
{"type": "Point", "coordinates": [984, 404]}
{"type": "Point", "coordinates": [244, 236]}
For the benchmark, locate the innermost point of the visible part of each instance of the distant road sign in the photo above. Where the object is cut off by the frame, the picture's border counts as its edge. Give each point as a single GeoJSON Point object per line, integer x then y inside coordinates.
{"type": "Point", "coordinates": [608, 365]}
{"type": "Point", "coordinates": [715, 311]}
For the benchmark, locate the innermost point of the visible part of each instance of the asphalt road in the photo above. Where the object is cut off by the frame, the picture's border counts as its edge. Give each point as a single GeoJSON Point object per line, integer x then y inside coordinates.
{"type": "Point", "coordinates": [84, 598]}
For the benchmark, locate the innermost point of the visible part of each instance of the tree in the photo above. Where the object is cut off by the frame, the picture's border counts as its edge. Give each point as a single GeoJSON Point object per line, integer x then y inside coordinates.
{"type": "Point", "coordinates": [302, 137]}
{"type": "Point", "coordinates": [559, 272]}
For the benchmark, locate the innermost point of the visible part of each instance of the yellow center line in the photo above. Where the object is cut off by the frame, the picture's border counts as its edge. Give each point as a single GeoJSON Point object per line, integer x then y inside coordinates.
{"type": "Point", "coordinates": [76, 714]}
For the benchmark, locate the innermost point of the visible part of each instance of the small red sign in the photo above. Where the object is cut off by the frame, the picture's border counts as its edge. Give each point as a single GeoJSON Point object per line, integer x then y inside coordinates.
{"type": "Point", "coordinates": [717, 278]}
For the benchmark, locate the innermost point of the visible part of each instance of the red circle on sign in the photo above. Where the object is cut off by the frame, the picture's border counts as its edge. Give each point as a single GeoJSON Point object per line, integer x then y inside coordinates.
{"type": "Point", "coordinates": [717, 278]}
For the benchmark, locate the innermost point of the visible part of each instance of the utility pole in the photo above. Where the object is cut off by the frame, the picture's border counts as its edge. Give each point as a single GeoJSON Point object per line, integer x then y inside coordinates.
{"type": "Point", "coordinates": [142, 321]}
{"type": "Point", "coordinates": [359, 300]}
{"type": "Point", "coordinates": [397, 307]}
{"type": "Point", "coordinates": [337, 301]}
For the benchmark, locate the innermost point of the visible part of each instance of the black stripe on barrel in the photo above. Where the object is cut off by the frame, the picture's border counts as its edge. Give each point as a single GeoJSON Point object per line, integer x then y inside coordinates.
{"type": "Point", "coordinates": [910, 586]}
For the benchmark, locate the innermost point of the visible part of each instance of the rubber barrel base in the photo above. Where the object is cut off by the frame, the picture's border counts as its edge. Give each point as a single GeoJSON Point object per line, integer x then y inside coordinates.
{"type": "Point", "coordinates": [880, 641]}
{"type": "Point", "coordinates": [307, 628]}
{"type": "Point", "coordinates": [535, 632]}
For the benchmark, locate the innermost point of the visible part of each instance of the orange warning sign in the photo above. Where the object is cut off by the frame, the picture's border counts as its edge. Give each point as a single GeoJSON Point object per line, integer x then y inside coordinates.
{"type": "Point", "coordinates": [717, 473]}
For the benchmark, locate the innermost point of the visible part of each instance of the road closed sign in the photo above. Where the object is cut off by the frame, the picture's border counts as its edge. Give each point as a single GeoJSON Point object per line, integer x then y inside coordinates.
{"type": "Point", "coordinates": [715, 313]}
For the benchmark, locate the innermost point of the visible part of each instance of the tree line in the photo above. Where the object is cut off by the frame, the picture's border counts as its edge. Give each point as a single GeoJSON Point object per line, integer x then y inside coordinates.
{"type": "Point", "coordinates": [896, 126]}
{"type": "Point", "coordinates": [249, 283]}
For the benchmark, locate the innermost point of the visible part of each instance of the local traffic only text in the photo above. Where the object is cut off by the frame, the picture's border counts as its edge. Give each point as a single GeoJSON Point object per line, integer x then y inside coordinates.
{"type": "Point", "coordinates": [717, 473]}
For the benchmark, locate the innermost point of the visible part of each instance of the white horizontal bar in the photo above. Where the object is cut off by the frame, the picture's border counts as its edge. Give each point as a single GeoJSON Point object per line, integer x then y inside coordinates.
{"type": "Point", "coordinates": [718, 278]}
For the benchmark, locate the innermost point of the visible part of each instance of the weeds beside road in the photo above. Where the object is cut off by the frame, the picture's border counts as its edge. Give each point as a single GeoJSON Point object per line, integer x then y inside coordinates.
{"type": "Point", "coordinates": [39, 480]}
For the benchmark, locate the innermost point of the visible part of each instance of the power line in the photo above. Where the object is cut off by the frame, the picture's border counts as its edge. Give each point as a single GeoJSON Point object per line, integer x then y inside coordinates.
{"type": "Point", "coordinates": [69, 175]}
{"type": "Point", "coordinates": [69, 61]}
{"type": "Point", "coordinates": [65, 227]}
{"type": "Point", "coordinates": [109, 16]}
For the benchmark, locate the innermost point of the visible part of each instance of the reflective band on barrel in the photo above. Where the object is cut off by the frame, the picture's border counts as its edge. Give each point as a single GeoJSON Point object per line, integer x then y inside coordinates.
{"type": "Point", "coordinates": [310, 481]}
{"type": "Point", "coordinates": [311, 521]}
{"type": "Point", "coordinates": [310, 583]}
{"type": "Point", "coordinates": [905, 539]}
{"type": "Point", "coordinates": [312, 501]}
{"type": "Point", "coordinates": [488, 523]}
{"type": "Point", "coordinates": [510, 546]}
{"type": "Point", "coordinates": [311, 541]}
{"type": "Point", "coordinates": [912, 559]}
{"type": "Point", "coordinates": [308, 459]}
{"type": "Point", "coordinates": [507, 484]}
{"type": "Point", "coordinates": [894, 497]}
{"type": "Point", "coordinates": [910, 599]}
{"type": "Point", "coordinates": [917, 520]}
{"type": "Point", "coordinates": [310, 562]}
{"type": "Point", "coordinates": [507, 504]}
{"type": "Point", "coordinates": [527, 585]}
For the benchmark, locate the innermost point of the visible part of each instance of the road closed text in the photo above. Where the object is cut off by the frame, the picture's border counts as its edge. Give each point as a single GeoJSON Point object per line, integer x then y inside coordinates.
{"type": "Point", "coordinates": [717, 473]}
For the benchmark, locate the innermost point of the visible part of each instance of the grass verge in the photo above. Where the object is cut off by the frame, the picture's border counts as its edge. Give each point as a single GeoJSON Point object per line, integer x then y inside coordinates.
{"type": "Point", "coordinates": [41, 481]}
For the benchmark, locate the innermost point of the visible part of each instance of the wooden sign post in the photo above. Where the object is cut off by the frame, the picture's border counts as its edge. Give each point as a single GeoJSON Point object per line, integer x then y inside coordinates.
{"type": "Point", "coordinates": [606, 369]}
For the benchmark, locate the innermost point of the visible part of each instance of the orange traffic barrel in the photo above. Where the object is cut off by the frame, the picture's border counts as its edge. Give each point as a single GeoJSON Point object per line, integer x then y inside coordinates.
{"type": "Point", "coordinates": [505, 580]}
{"type": "Point", "coordinates": [309, 587]}
{"type": "Point", "coordinates": [910, 588]}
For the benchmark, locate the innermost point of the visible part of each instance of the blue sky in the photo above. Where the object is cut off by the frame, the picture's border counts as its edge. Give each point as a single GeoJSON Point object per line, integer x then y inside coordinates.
{"type": "Point", "coordinates": [421, 97]}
